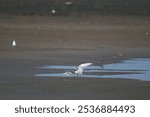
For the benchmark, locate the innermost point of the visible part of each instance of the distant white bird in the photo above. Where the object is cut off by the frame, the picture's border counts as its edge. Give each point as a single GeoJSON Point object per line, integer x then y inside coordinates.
{"type": "Point", "coordinates": [68, 3]}
{"type": "Point", "coordinates": [79, 70]}
{"type": "Point", "coordinates": [147, 33]}
{"type": "Point", "coordinates": [68, 73]}
{"type": "Point", "coordinates": [53, 11]}
{"type": "Point", "coordinates": [14, 43]}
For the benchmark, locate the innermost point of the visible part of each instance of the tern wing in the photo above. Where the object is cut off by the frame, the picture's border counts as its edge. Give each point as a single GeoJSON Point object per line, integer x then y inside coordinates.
{"type": "Point", "coordinates": [84, 65]}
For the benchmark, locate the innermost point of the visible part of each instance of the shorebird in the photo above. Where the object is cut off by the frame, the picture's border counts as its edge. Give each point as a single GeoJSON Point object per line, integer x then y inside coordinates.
{"type": "Point", "coordinates": [14, 43]}
{"type": "Point", "coordinates": [53, 11]}
{"type": "Point", "coordinates": [79, 70]}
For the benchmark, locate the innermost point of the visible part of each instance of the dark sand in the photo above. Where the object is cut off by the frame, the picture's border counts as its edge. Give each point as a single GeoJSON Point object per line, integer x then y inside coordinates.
{"type": "Point", "coordinates": [65, 41]}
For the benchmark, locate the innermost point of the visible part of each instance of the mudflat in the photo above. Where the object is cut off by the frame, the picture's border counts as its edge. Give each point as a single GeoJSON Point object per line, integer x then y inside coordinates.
{"type": "Point", "coordinates": [43, 40]}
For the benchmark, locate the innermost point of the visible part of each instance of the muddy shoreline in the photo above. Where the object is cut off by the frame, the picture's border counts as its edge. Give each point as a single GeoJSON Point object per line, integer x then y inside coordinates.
{"type": "Point", "coordinates": [64, 42]}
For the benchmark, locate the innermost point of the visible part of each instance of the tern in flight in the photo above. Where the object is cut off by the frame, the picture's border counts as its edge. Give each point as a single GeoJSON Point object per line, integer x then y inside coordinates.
{"type": "Point", "coordinates": [79, 70]}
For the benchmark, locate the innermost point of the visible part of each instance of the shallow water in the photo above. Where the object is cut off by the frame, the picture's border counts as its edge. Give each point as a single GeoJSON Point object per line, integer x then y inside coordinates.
{"type": "Point", "coordinates": [135, 68]}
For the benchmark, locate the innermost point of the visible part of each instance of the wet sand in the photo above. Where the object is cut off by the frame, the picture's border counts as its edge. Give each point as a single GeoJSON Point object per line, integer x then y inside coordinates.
{"type": "Point", "coordinates": [65, 41]}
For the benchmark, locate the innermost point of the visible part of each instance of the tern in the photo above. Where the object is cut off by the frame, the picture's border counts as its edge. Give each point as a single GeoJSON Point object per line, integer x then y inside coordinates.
{"type": "Point", "coordinates": [79, 70]}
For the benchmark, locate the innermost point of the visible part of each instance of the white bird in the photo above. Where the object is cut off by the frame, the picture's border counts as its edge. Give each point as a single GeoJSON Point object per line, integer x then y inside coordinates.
{"type": "Point", "coordinates": [79, 70]}
{"type": "Point", "coordinates": [14, 43]}
{"type": "Point", "coordinates": [68, 3]}
{"type": "Point", "coordinates": [53, 11]}
{"type": "Point", "coordinates": [68, 73]}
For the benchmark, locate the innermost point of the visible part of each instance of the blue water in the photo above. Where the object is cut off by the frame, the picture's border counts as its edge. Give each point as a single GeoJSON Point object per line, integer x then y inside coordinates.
{"type": "Point", "coordinates": [135, 68]}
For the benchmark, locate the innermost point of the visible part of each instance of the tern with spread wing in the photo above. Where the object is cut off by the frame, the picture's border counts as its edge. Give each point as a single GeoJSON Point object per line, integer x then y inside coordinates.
{"type": "Point", "coordinates": [79, 70]}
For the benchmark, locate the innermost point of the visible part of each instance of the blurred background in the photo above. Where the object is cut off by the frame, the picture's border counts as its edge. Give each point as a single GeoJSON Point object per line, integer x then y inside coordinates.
{"type": "Point", "coordinates": [75, 7]}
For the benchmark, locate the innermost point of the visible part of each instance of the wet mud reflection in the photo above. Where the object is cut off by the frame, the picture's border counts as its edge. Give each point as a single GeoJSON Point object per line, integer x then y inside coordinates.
{"type": "Point", "coordinates": [135, 68]}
